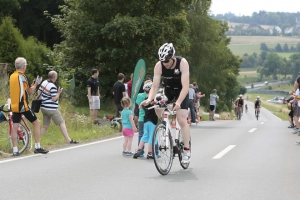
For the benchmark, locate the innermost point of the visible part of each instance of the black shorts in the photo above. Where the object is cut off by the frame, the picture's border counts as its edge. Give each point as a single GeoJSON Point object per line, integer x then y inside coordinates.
{"type": "Point", "coordinates": [291, 113]}
{"type": "Point", "coordinates": [174, 94]}
{"type": "Point", "coordinates": [136, 110]}
{"type": "Point", "coordinates": [30, 115]}
{"type": "Point", "coordinates": [211, 107]}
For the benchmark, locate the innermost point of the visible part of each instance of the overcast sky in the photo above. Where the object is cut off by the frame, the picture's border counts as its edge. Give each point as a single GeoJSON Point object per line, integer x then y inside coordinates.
{"type": "Point", "coordinates": [247, 7]}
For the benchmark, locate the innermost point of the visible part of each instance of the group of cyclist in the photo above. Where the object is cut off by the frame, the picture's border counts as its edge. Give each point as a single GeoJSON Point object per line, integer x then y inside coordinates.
{"type": "Point", "coordinates": [239, 106]}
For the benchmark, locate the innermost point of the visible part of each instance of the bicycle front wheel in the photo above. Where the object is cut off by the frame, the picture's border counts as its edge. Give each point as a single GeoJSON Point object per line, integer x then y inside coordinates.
{"type": "Point", "coordinates": [163, 159]}
{"type": "Point", "coordinates": [181, 148]}
{"type": "Point", "coordinates": [5, 139]}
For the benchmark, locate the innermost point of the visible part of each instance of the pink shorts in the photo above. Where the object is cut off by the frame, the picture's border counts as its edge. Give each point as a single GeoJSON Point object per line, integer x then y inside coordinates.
{"type": "Point", "coordinates": [128, 132]}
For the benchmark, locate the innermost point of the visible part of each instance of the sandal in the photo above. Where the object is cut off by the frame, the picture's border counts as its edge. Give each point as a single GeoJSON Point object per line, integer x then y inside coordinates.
{"type": "Point", "coordinates": [73, 142]}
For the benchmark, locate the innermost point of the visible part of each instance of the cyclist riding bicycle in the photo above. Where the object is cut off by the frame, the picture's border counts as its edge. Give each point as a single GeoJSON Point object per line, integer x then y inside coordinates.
{"type": "Point", "coordinates": [176, 74]}
{"type": "Point", "coordinates": [257, 104]}
{"type": "Point", "coordinates": [240, 103]}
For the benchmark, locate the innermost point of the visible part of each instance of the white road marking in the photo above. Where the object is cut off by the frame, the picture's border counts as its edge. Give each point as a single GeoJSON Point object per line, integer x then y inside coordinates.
{"type": "Point", "coordinates": [252, 130]}
{"type": "Point", "coordinates": [222, 153]}
{"type": "Point", "coordinates": [262, 122]}
{"type": "Point", "coordinates": [58, 150]}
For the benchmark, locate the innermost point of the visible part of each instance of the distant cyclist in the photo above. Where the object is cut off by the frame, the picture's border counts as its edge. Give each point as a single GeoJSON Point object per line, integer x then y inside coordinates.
{"type": "Point", "coordinates": [246, 108]}
{"type": "Point", "coordinates": [240, 103]}
{"type": "Point", "coordinates": [257, 104]}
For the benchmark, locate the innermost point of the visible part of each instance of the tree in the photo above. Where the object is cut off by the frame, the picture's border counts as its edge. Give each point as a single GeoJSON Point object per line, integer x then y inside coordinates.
{"type": "Point", "coordinates": [264, 47]}
{"type": "Point", "coordinates": [286, 48]}
{"type": "Point", "coordinates": [212, 64]}
{"type": "Point", "coordinates": [278, 48]}
{"type": "Point", "coordinates": [13, 45]}
{"type": "Point", "coordinates": [112, 35]}
{"type": "Point", "coordinates": [272, 65]}
{"type": "Point", "coordinates": [262, 57]}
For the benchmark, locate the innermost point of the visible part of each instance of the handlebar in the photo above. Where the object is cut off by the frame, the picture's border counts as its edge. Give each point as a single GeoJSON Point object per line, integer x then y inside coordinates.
{"type": "Point", "coordinates": [2, 108]}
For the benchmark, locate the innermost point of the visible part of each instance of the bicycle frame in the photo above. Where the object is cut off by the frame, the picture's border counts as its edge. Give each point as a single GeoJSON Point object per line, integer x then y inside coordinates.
{"type": "Point", "coordinates": [165, 118]}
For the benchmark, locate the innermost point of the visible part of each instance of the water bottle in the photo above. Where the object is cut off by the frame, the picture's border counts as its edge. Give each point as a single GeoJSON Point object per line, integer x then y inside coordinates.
{"type": "Point", "coordinates": [8, 102]}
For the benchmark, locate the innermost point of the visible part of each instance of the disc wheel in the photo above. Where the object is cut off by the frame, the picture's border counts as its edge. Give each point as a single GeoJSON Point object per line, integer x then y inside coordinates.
{"type": "Point", "coordinates": [163, 159]}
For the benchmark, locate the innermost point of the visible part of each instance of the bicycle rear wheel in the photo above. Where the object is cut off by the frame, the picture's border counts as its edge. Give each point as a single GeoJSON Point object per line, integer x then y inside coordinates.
{"type": "Point", "coordinates": [180, 150]}
{"type": "Point", "coordinates": [5, 138]}
{"type": "Point", "coordinates": [163, 160]}
{"type": "Point", "coordinates": [23, 138]}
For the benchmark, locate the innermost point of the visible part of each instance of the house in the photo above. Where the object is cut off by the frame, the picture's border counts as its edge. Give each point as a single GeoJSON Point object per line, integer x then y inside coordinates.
{"type": "Point", "coordinates": [289, 30]}
{"type": "Point", "coordinates": [277, 28]}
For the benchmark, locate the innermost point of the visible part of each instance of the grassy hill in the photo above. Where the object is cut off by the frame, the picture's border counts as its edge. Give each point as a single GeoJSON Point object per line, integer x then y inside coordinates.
{"type": "Point", "coordinates": [249, 44]}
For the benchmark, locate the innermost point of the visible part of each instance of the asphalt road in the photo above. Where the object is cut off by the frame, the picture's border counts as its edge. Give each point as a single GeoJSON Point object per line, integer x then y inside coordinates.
{"type": "Point", "coordinates": [258, 86]}
{"type": "Point", "coordinates": [261, 162]}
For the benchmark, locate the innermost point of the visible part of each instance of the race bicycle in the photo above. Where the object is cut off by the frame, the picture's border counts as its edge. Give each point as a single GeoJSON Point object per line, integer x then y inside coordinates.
{"type": "Point", "coordinates": [239, 112]}
{"type": "Point", "coordinates": [169, 141]}
{"type": "Point", "coordinates": [24, 135]}
{"type": "Point", "coordinates": [257, 111]}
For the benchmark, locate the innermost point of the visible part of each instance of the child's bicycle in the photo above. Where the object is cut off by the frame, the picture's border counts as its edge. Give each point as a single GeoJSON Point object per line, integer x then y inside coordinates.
{"type": "Point", "coordinates": [24, 135]}
{"type": "Point", "coordinates": [169, 141]}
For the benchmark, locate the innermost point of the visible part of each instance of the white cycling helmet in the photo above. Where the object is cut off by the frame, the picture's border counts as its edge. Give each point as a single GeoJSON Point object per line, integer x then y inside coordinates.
{"type": "Point", "coordinates": [147, 86]}
{"type": "Point", "coordinates": [258, 97]}
{"type": "Point", "coordinates": [240, 95]}
{"type": "Point", "coordinates": [166, 51]}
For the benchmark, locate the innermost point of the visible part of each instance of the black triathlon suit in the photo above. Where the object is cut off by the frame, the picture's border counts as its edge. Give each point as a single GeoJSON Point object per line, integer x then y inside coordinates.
{"type": "Point", "coordinates": [172, 82]}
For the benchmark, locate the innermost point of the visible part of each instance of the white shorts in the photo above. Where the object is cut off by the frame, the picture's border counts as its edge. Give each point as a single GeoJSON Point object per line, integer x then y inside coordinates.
{"type": "Point", "coordinates": [95, 103]}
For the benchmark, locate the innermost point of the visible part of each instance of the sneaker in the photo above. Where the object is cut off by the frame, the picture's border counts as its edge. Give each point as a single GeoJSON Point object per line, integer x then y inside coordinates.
{"type": "Point", "coordinates": [149, 156]}
{"type": "Point", "coordinates": [138, 153]}
{"type": "Point", "coordinates": [40, 150]}
{"type": "Point", "coordinates": [297, 143]}
{"type": "Point", "coordinates": [129, 153]}
{"type": "Point", "coordinates": [186, 158]}
{"type": "Point", "coordinates": [296, 131]}
{"type": "Point", "coordinates": [158, 155]}
{"type": "Point", "coordinates": [16, 154]}
{"type": "Point", "coordinates": [124, 153]}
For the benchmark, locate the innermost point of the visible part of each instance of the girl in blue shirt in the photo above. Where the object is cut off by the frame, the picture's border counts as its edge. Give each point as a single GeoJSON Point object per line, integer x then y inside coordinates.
{"type": "Point", "coordinates": [129, 127]}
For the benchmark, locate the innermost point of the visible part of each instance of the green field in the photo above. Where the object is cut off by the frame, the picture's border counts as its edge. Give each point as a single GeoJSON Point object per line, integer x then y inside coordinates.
{"type": "Point", "coordinates": [240, 45]}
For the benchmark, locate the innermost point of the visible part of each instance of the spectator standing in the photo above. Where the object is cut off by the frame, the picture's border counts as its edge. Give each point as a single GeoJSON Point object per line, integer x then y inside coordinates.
{"type": "Point", "coordinates": [19, 93]}
{"type": "Point", "coordinates": [192, 97]}
{"type": "Point", "coordinates": [128, 126]}
{"type": "Point", "coordinates": [119, 93]}
{"type": "Point", "coordinates": [150, 121]}
{"type": "Point", "coordinates": [49, 106]}
{"type": "Point", "coordinates": [213, 102]}
{"type": "Point", "coordinates": [297, 105]}
{"type": "Point", "coordinates": [198, 97]}
{"type": "Point", "coordinates": [141, 97]}
{"type": "Point", "coordinates": [291, 113]}
{"type": "Point", "coordinates": [129, 86]}
{"type": "Point", "coordinates": [94, 95]}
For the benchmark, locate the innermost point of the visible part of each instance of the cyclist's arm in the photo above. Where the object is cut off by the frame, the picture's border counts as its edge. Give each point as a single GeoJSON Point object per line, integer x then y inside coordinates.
{"type": "Point", "coordinates": [185, 80]}
{"type": "Point", "coordinates": [155, 83]}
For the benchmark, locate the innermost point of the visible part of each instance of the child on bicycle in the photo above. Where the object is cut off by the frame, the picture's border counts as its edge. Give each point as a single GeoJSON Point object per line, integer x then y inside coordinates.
{"type": "Point", "coordinates": [128, 126]}
{"type": "Point", "coordinates": [150, 121]}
